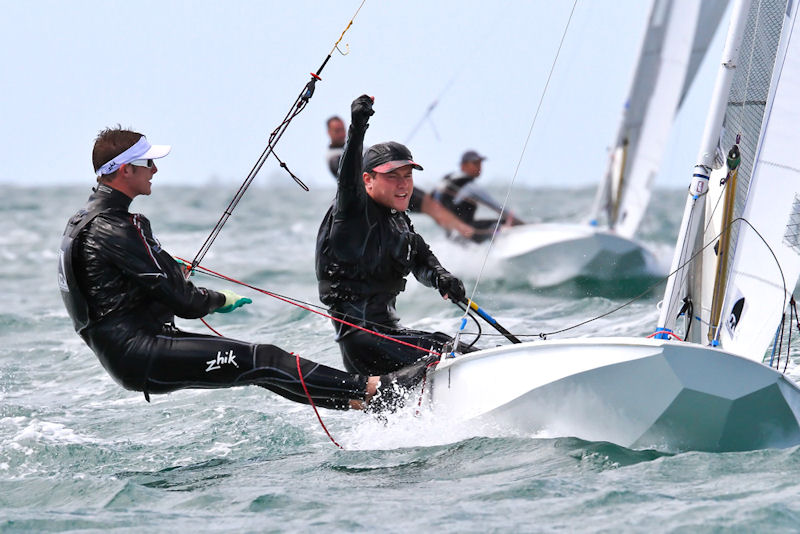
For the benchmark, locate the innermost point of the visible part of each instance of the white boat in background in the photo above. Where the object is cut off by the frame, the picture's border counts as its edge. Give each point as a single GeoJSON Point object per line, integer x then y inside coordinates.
{"type": "Point", "coordinates": [549, 254]}
{"type": "Point", "coordinates": [720, 390]}
{"type": "Point", "coordinates": [603, 248]}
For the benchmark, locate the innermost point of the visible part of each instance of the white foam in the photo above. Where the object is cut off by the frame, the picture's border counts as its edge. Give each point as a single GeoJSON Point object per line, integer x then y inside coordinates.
{"type": "Point", "coordinates": [38, 431]}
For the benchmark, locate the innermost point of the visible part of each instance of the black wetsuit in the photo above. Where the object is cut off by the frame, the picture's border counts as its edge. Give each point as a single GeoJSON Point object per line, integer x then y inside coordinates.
{"type": "Point", "coordinates": [123, 290]}
{"type": "Point", "coordinates": [364, 253]}
{"type": "Point", "coordinates": [465, 209]}
{"type": "Point", "coordinates": [335, 156]}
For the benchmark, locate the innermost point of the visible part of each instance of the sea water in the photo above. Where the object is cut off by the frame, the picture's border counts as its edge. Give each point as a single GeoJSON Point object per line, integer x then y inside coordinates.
{"type": "Point", "coordinates": [79, 453]}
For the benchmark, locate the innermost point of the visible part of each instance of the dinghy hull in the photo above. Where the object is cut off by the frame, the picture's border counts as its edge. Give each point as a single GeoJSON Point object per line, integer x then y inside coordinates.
{"type": "Point", "coordinates": [637, 393]}
{"type": "Point", "coordinates": [551, 254]}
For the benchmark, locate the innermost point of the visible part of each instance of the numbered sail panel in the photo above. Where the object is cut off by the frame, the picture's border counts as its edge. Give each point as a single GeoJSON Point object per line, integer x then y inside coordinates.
{"type": "Point", "coordinates": [766, 263]}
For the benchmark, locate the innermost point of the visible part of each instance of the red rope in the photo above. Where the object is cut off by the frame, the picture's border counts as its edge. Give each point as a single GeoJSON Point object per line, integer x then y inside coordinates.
{"type": "Point", "coordinates": [303, 382]}
{"type": "Point", "coordinates": [210, 327]}
{"type": "Point", "coordinates": [311, 401]}
{"type": "Point", "coordinates": [299, 372]}
{"type": "Point", "coordinates": [264, 291]}
{"type": "Point", "coordinates": [665, 332]}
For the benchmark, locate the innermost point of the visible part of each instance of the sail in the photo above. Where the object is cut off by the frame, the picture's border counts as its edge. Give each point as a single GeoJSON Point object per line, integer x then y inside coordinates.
{"type": "Point", "coordinates": [764, 102]}
{"type": "Point", "coordinates": [658, 85]}
{"type": "Point", "coordinates": [711, 12]}
{"type": "Point", "coordinates": [652, 106]}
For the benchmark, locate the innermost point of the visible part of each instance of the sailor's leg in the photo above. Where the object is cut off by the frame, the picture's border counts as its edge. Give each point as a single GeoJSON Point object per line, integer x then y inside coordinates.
{"type": "Point", "coordinates": [366, 353]}
{"type": "Point", "coordinates": [484, 229]}
{"type": "Point", "coordinates": [181, 360]}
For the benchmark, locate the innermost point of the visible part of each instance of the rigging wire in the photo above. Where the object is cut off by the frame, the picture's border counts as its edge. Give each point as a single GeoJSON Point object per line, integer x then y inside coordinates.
{"type": "Point", "coordinates": [519, 161]}
{"type": "Point", "coordinates": [306, 306]}
{"type": "Point", "coordinates": [542, 335]}
{"type": "Point", "coordinates": [711, 242]}
{"type": "Point", "coordinates": [295, 109]}
{"type": "Point", "coordinates": [477, 323]}
{"type": "Point", "coordinates": [294, 301]}
{"type": "Point", "coordinates": [467, 61]}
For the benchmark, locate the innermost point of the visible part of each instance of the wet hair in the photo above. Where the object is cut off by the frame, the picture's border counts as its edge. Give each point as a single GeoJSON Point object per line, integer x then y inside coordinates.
{"type": "Point", "coordinates": [110, 143]}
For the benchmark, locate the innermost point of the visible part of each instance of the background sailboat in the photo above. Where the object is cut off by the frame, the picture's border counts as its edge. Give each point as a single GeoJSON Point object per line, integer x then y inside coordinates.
{"type": "Point", "coordinates": [718, 392]}
{"type": "Point", "coordinates": [677, 36]}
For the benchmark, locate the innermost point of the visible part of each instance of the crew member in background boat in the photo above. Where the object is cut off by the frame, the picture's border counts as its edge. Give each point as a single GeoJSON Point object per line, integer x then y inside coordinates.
{"type": "Point", "coordinates": [366, 246]}
{"type": "Point", "coordinates": [421, 202]}
{"type": "Point", "coordinates": [123, 291]}
{"type": "Point", "coordinates": [458, 193]}
{"type": "Point", "coordinates": [337, 134]}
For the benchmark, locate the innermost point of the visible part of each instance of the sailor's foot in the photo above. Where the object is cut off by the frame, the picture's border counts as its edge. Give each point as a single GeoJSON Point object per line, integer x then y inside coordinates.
{"type": "Point", "coordinates": [394, 387]}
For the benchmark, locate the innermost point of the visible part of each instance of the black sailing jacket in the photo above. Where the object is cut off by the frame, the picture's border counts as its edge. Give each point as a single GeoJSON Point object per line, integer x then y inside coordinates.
{"type": "Point", "coordinates": [366, 250]}
{"type": "Point", "coordinates": [117, 281]}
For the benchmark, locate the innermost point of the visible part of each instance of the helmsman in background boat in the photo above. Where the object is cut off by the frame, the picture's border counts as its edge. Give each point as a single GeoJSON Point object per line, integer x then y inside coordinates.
{"type": "Point", "coordinates": [421, 202]}
{"type": "Point", "coordinates": [458, 193]}
{"type": "Point", "coordinates": [123, 291]}
{"type": "Point", "coordinates": [366, 246]}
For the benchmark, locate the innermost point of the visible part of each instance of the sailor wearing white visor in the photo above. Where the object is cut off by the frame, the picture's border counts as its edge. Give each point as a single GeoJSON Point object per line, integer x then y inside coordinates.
{"type": "Point", "coordinates": [123, 291]}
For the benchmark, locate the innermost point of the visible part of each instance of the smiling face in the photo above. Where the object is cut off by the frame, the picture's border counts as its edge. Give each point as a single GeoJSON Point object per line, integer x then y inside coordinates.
{"type": "Point", "coordinates": [392, 189]}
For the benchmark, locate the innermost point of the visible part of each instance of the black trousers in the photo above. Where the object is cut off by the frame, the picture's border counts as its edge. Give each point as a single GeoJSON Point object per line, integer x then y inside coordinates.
{"type": "Point", "coordinates": [366, 353]}
{"type": "Point", "coordinates": [173, 359]}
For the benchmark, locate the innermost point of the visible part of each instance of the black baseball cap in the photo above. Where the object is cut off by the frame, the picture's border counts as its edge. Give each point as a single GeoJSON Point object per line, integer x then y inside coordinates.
{"type": "Point", "coordinates": [385, 157]}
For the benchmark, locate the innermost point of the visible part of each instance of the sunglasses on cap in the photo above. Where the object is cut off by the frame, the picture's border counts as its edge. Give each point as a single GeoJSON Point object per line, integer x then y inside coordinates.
{"type": "Point", "coordinates": [142, 163]}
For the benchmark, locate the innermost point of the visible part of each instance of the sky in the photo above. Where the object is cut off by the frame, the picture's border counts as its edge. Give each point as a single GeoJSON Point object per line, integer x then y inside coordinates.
{"type": "Point", "coordinates": [213, 79]}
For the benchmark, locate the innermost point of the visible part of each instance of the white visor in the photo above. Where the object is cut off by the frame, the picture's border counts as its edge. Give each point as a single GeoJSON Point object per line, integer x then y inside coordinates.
{"type": "Point", "coordinates": [141, 150]}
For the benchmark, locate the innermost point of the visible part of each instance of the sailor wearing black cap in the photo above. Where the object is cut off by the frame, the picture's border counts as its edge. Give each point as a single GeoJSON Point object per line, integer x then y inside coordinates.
{"type": "Point", "coordinates": [366, 246]}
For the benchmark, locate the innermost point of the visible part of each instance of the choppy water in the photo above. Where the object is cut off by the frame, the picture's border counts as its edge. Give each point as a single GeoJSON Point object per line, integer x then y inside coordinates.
{"type": "Point", "coordinates": [79, 453]}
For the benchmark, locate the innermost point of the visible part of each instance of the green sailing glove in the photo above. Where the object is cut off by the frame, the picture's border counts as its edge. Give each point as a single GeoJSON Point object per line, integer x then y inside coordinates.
{"type": "Point", "coordinates": [232, 301]}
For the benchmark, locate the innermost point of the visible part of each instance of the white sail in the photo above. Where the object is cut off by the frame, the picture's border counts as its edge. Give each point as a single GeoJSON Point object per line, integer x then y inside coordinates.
{"type": "Point", "coordinates": [756, 94]}
{"type": "Point", "coordinates": [665, 60]}
{"type": "Point", "coordinates": [677, 37]}
{"type": "Point", "coordinates": [661, 67]}
{"type": "Point", "coordinates": [760, 285]}
{"type": "Point", "coordinates": [711, 12]}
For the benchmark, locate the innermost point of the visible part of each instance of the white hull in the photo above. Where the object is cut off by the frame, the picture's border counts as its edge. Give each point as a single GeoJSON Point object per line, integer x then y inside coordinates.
{"type": "Point", "coordinates": [638, 393]}
{"type": "Point", "coordinates": [551, 254]}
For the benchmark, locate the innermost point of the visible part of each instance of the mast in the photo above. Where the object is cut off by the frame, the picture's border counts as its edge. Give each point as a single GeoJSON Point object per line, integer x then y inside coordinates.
{"type": "Point", "coordinates": [677, 291]}
{"type": "Point", "coordinates": [724, 244]}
